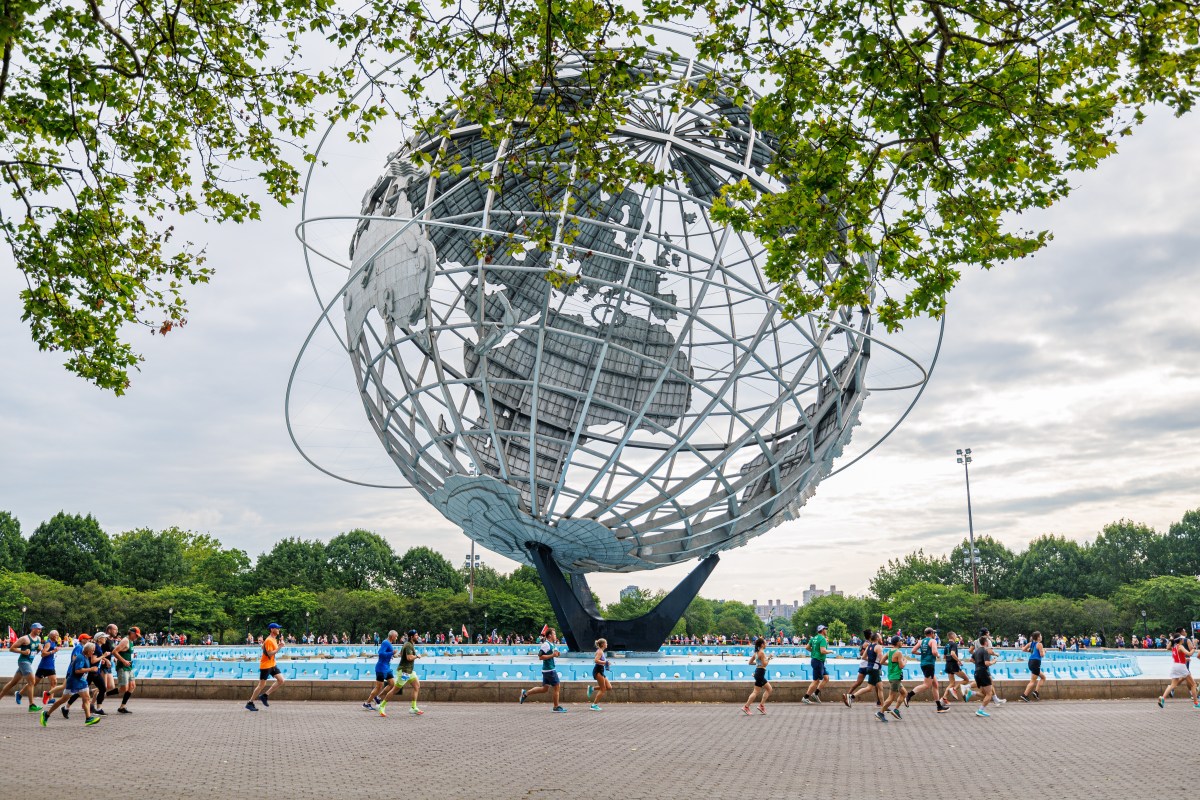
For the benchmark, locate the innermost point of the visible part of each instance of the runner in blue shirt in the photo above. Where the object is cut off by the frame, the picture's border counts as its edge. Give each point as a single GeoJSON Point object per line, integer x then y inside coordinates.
{"type": "Point", "coordinates": [80, 668]}
{"type": "Point", "coordinates": [384, 674]}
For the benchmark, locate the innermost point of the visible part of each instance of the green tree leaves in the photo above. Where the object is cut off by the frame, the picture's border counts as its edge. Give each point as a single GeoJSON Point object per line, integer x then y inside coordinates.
{"type": "Point", "coordinates": [72, 549]}
{"type": "Point", "coordinates": [12, 545]}
{"type": "Point", "coordinates": [360, 559]}
{"type": "Point", "coordinates": [423, 570]}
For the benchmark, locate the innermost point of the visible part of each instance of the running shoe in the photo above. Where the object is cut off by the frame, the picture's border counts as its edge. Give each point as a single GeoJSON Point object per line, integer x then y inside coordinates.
{"type": "Point", "coordinates": [378, 698]}
{"type": "Point", "coordinates": [982, 713]}
{"type": "Point", "coordinates": [595, 707]}
{"type": "Point", "coordinates": [251, 707]}
{"type": "Point", "coordinates": [18, 697]}
{"type": "Point", "coordinates": [967, 696]}
{"type": "Point", "coordinates": [123, 710]}
{"type": "Point", "coordinates": [416, 712]}
{"type": "Point", "coordinates": [999, 701]}
{"type": "Point", "coordinates": [816, 698]}
{"type": "Point", "coordinates": [908, 699]}
{"type": "Point", "coordinates": [368, 706]}
{"type": "Point", "coordinates": [66, 712]}
{"type": "Point", "coordinates": [383, 706]}
{"type": "Point", "coordinates": [746, 710]}
{"type": "Point", "coordinates": [895, 713]}
{"type": "Point", "coordinates": [762, 709]}
{"type": "Point", "coordinates": [382, 711]}
{"type": "Point", "coordinates": [847, 699]}
{"type": "Point", "coordinates": [559, 710]}
{"type": "Point", "coordinates": [45, 698]}
{"type": "Point", "coordinates": [1036, 696]}
{"type": "Point", "coordinates": [879, 715]}
{"type": "Point", "coordinates": [591, 690]}
{"type": "Point", "coordinates": [1162, 703]}
{"type": "Point", "coordinates": [92, 720]}
{"type": "Point", "coordinates": [99, 712]}
{"type": "Point", "coordinates": [524, 693]}
{"type": "Point", "coordinates": [1023, 698]}
{"type": "Point", "coordinates": [942, 708]}
{"type": "Point", "coordinates": [33, 708]}
{"type": "Point", "coordinates": [806, 701]}
{"type": "Point", "coordinates": [44, 718]}
{"type": "Point", "coordinates": [263, 697]}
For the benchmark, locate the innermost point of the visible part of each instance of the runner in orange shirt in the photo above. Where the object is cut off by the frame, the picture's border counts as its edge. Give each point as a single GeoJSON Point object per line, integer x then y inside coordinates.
{"type": "Point", "coordinates": [267, 669]}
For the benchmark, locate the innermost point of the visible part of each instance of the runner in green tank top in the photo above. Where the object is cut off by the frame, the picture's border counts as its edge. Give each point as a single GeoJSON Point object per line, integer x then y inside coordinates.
{"type": "Point", "coordinates": [123, 654]}
{"type": "Point", "coordinates": [895, 673]}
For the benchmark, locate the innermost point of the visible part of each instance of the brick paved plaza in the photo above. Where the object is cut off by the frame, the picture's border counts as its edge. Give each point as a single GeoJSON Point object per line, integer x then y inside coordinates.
{"type": "Point", "coordinates": [1094, 750]}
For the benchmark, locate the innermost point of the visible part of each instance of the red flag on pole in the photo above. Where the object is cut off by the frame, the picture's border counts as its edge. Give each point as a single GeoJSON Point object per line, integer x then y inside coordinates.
{"type": "Point", "coordinates": [12, 635]}
{"type": "Point", "coordinates": [545, 628]}
{"type": "Point", "coordinates": [465, 634]}
{"type": "Point", "coordinates": [885, 622]}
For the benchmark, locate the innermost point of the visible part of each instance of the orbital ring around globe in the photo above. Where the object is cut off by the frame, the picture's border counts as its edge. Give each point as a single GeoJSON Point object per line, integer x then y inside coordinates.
{"type": "Point", "coordinates": [655, 409]}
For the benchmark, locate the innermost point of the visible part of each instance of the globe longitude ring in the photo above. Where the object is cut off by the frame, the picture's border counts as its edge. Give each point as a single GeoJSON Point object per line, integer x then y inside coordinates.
{"type": "Point", "coordinates": [629, 398]}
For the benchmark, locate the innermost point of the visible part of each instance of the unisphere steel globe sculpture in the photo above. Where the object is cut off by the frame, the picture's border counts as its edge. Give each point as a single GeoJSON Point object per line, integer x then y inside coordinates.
{"type": "Point", "coordinates": [626, 400]}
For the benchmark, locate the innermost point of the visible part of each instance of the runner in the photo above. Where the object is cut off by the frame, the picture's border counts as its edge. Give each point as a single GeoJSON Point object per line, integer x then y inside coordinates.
{"type": "Point", "coordinates": [954, 671]}
{"type": "Point", "coordinates": [267, 669]}
{"type": "Point", "coordinates": [546, 653]}
{"type": "Point", "coordinates": [408, 660]}
{"type": "Point", "coordinates": [23, 680]}
{"type": "Point", "coordinates": [110, 682]}
{"type": "Point", "coordinates": [862, 668]}
{"type": "Point", "coordinates": [895, 666]}
{"type": "Point", "coordinates": [1036, 650]}
{"type": "Point", "coordinates": [927, 650]}
{"type": "Point", "coordinates": [99, 679]}
{"type": "Point", "coordinates": [760, 659]}
{"type": "Point", "coordinates": [123, 655]}
{"type": "Point", "coordinates": [80, 668]}
{"type": "Point", "coordinates": [45, 667]}
{"type": "Point", "coordinates": [384, 675]}
{"type": "Point", "coordinates": [873, 658]}
{"type": "Point", "coordinates": [983, 677]}
{"type": "Point", "coordinates": [974, 688]}
{"type": "Point", "coordinates": [1180, 673]}
{"type": "Point", "coordinates": [602, 686]}
{"type": "Point", "coordinates": [818, 648]}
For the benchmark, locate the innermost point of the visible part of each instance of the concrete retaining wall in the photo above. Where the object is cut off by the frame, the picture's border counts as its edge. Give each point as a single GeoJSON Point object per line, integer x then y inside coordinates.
{"type": "Point", "coordinates": [630, 692]}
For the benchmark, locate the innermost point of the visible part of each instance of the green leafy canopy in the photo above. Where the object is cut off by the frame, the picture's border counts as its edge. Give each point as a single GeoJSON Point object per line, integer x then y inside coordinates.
{"type": "Point", "coordinates": [910, 136]}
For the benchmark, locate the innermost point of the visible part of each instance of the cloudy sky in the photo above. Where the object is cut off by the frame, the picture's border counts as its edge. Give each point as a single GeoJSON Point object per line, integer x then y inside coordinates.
{"type": "Point", "coordinates": [1074, 376]}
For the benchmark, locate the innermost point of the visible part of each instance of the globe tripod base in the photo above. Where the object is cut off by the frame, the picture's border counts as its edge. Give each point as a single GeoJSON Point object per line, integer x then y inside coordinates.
{"type": "Point", "coordinates": [581, 622]}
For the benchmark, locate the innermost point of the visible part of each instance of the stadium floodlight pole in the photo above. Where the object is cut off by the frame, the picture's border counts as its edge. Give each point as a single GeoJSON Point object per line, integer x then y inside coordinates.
{"type": "Point", "coordinates": [472, 560]}
{"type": "Point", "coordinates": [964, 458]}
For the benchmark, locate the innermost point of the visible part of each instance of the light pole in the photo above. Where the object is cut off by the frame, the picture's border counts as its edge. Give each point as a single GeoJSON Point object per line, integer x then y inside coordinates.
{"type": "Point", "coordinates": [1145, 629]}
{"type": "Point", "coordinates": [472, 560]}
{"type": "Point", "coordinates": [23, 620]}
{"type": "Point", "coordinates": [307, 627]}
{"type": "Point", "coordinates": [964, 458]}
{"type": "Point", "coordinates": [249, 633]}
{"type": "Point", "coordinates": [937, 624]}
{"type": "Point", "coordinates": [170, 617]}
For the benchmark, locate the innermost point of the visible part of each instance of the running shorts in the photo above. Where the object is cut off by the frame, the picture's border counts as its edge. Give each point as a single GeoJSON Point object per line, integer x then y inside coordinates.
{"type": "Point", "coordinates": [597, 672]}
{"type": "Point", "coordinates": [983, 678]}
{"type": "Point", "coordinates": [1179, 671]}
{"type": "Point", "coordinates": [124, 676]}
{"type": "Point", "coordinates": [263, 674]}
{"type": "Point", "coordinates": [549, 677]}
{"type": "Point", "coordinates": [25, 667]}
{"type": "Point", "coordinates": [384, 677]}
{"type": "Point", "coordinates": [1035, 666]}
{"type": "Point", "coordinates": [405, 677]}
{"type": "Point", "coordinates": [873, 677]}
{"type": "Point", "coordinates": [896, 686]}
{"type": "Point", "coordinates": [953, 668]}
{"type": "Point", "coordinates": [44, 673]}
{"type": "Point", "coordinates": [818, 669]}
{"type": "Point", "coordinates": [760, 676]}
{"type": "Point", "coordinates": [928, 670]}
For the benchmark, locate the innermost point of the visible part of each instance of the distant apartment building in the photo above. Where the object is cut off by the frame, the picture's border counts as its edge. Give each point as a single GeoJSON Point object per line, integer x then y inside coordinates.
{"type": "Point", "coordinates": [775, 610]}
{"type": "Point", "coordinates": [812, 592]}
{"type": "Point", "coordinates": [629, 591]}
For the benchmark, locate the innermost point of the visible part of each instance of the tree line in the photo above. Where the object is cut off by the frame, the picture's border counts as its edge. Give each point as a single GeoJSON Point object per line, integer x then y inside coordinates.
{"type": "Point", "coordinates": [72, 574]}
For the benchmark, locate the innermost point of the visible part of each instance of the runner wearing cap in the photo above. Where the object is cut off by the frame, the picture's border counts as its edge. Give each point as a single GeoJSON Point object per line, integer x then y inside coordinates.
{"type": "Point", "coordinates": [267, 669]}
{"type": "Point", "coordinates": [384, 675]}
{"type": "Point", "coordinates": [123, 655]}
{"type": "Point", "coordinates": [927, 650]}
{"type": "Point", "coordinates": [80, 668]}
{"type": "Point", "coordinates": [818, 647]}
{"type": "Point", "coordinates": [546, 653]}
{"type": "Point", "coordinates": [26, 647]}
{"type": "Point", "coordinates": [45, 668]}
